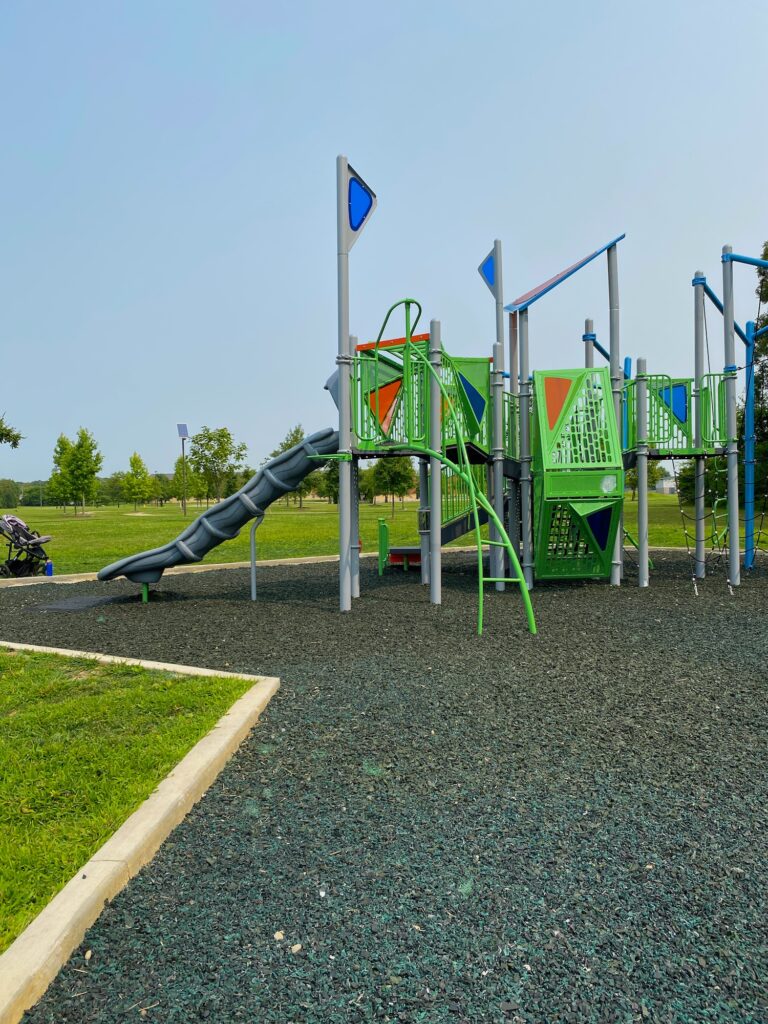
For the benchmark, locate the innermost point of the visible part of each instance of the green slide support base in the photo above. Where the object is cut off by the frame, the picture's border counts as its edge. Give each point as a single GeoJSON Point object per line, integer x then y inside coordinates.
{"type": "Point", "coordinates": [144, 593]}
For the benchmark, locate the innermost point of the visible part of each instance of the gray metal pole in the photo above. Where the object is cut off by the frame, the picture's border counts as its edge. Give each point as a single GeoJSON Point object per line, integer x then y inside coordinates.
{"type": "Point", "coordinates": [616, 386]}
{"type": "Point", "coordinates": [355, 528]}
{"type": "Point", "coordinates": [254, 527]}
{"type": "Point", "coordinates": [526, 526]}
{"type": "Point", "coordinates": [700, 559]}
{"type": "Point", "coordinates": [589, 348]}
{"type": "Point", "coordinates": [183, 478]}
{"type": "Point", "coordinates": [497, 454]}
{"type": "Point", "coordinates": [497, 413]}
{"type": "Point", "coordinates": [354, 510]}
{"type": "Point", "coordinates": [424, 519]}
{"type": "Point", "coordinates": [732, 448]}
{"type": "Point", "coordinates": [642, 473]}
{"type": "Point", "coordinates": [513, 529]}
{"type": "Point", "coordinates": [435, 467]}
{"type": "Point", "coordinates": [344, 362]}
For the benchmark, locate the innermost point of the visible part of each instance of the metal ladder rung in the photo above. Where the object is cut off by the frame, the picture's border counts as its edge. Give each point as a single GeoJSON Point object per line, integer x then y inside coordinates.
{"type": "Point", "coordinates": [501, 579]}
{"type": "Point", "coordinates": [496, 543]}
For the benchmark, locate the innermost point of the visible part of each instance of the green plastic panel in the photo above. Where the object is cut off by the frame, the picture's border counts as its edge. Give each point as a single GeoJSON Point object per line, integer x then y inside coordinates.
{"type": "Point", "coordinates": [565, 545]}
{"type": "Point", "coordinates": [578, 474]}
{"type": "Point", "coordinates": [575, 423]}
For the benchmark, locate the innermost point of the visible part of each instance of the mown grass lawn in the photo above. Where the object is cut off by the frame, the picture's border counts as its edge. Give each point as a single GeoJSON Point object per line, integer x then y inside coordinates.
{"type": "Point", "coordinates": [82, 745]}
{"type": "Point", "coordinates": [86, 543]}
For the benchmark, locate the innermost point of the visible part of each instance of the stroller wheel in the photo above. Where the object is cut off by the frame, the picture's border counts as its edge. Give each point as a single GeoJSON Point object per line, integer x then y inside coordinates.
{"type": "Point", "coordinates": [5, 570]}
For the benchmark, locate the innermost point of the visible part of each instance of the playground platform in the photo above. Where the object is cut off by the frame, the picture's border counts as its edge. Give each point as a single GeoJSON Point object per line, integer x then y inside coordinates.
{"type": "Point", "coordinates": [452, 827]}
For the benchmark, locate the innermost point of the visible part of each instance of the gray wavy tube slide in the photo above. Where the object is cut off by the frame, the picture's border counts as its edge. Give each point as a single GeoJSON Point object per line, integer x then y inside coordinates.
{"type": "Point", "coordinates": [224, 521]}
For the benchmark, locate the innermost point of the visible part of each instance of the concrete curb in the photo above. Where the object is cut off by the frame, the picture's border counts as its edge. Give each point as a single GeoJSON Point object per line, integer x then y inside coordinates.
{"type": "Point", "coordinates": [31, 962]}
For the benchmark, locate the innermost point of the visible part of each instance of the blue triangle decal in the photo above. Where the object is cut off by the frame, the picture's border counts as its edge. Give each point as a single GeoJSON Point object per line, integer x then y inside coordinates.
{"type": "Point", "coordinates": [600, 524]}
{"type": "Point", "coordinates": [360, 203]}
{"type": "Point", "coordinates": [488, 270]}
{"type": "Point", "coordinates": [678, 402]}
{"type": "Point", "coordinates": [476, 400]}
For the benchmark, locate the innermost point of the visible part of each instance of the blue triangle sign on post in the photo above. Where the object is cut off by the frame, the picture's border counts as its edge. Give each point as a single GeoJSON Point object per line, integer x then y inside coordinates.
{"type": "Point", "coordinates": [361, 202]}
{"type": "Point", "coordinates": [487, 271]}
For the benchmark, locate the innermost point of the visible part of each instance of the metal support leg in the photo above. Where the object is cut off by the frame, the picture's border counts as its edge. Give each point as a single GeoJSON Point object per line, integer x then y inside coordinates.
{"type": "Point", "coordinates": [642, 473]}
{"type": "Point", "coordinates": [497, 456]}
{"type": "Point", "coordinates": [424, 519]}
{"type": "Point", "coordinates": [355, 529]}
{"type": "Point", "coordinates": [617, 379]}
{"type": "Point", "coordinates": [732, 443]}
{"type": "Point", "coordinates": [526, 484]}
{"type": "Point", "coordinates": [700, 462]}
{"type": "Point", "coordinates": [435, 468]}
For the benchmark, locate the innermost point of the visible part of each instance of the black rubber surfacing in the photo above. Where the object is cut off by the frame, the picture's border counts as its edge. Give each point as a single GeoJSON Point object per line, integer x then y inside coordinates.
{"type": "Point", "coordinates": [570, 827]}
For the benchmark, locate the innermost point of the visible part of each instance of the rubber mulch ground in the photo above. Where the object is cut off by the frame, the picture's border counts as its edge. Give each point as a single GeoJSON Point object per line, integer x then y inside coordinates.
{"type": "Point", "coordinates": [433, 826]}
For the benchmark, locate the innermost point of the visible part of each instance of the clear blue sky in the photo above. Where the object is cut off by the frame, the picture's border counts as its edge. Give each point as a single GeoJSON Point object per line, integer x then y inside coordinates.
{"type": "Point", "coordinates": [167, 231]}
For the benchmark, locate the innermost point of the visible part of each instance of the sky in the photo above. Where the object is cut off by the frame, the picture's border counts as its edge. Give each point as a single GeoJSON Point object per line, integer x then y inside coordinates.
{"type": "Point", "coordinates": [167, 195]}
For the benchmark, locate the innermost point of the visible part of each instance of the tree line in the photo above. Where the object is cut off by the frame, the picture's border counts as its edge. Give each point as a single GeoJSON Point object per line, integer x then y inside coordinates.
{"type": "Point", "coordinates": [214, 468]}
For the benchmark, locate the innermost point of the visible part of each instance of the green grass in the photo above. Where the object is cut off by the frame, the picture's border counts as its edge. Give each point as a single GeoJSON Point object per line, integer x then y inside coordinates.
{"type": "Point", "coordinates": [86, 543]}
{"type": "Point", "coordinates": [82, 745]}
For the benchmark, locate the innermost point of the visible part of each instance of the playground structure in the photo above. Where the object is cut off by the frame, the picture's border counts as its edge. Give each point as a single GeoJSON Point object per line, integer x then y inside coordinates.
{"type": "Point", "coordinates": [538, 456]}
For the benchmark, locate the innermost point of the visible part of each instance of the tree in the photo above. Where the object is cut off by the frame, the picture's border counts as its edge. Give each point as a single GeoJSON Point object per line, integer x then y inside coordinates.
{"type": "Point", "coordinates": [761, 380]}
{"type": "Point", "coordinates": [394, 476]}
{"type": "Point", "coordinates": [8, 435]}
{"type": "Point", "coordinates": [366, 484]}
{"type": "Point", "coordinates": [161, 488]}
{"type": "Point", "coordinates": [328, 482]}
{"type": "Point", "coordinates": [137, 485]}
{"type": "Point", "coordinates": [185, 481]}
{"type": "Point", "coordinates": [294, 436]}
{"type": "Point", "coordinates": [656, 472]}
{"type": "Point", "coordinates": [82, 464]}
{"type": "Point", "coordinates": [9, 494]}
{"type": "Point", "coordinates": [59, 484]}
{"type": "Point", "coordinates": [112, 488]}
{"type": "Point", "coordinates": [212, 454]}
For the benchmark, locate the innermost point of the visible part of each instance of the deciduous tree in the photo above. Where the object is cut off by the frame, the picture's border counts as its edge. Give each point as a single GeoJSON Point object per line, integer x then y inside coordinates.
{"type": "Point", "coordinates": [82, 465]}
{"type": "Point", "coordinates": [8, 435]}
{"type": "Point", "coordinates": [137, 484]}
{"type": "Point", "coordinates": [213, 454]}
{"type": "Point", "coordinates": [394, 476]}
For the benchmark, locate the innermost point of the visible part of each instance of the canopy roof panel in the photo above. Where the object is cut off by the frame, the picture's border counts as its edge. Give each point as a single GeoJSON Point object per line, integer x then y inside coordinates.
{"type": "Point", "coordinates": [524, 301]}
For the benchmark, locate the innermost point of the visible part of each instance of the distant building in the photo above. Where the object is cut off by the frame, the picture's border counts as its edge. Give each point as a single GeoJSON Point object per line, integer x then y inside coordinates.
{"type": "Point", "coordinates": [666, 486]}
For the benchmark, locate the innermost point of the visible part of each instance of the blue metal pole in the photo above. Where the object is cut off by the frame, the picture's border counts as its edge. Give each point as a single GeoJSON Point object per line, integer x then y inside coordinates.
{"type": "Point", "coordinates": [749, 452]}
{"type": "Point", "coordinates": [752, 261]}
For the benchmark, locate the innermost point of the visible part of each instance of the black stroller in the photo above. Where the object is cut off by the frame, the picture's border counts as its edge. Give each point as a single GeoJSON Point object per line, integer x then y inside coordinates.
{"type": "Point", "coordinates": [26, 555]}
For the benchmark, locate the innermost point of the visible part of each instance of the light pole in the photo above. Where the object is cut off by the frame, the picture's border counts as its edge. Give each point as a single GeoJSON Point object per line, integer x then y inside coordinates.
{"type": "Point", "coordinates": [184, 435]}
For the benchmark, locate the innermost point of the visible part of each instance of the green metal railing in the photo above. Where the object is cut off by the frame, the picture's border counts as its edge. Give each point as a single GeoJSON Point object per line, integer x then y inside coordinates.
{"type": "Point", "coordinates": [713, 420]}
{"type": "Point", "coordinates": [456, 496]}
{"type": "Point", "coordinates": [667, 432]}
{"type": "Point", "coordinates": [407, 430]}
